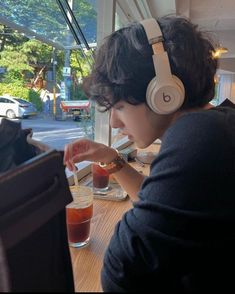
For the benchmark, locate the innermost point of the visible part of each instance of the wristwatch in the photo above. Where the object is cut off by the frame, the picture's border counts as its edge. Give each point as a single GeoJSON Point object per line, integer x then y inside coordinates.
{"type": "Point", "coordinates": [115, 165]}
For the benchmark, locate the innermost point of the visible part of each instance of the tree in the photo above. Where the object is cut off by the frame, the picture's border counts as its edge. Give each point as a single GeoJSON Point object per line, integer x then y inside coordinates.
{"type": "Point", "coordinates": [16, 64]}
{"type": "Point", "coordinates": [81, 62]}
{"type": "Point", "coordinates": [45, 17]}
{"type": "Point", "coordinates": [20, 55]}
{"type": "Point", "coordinates": [9, 36]}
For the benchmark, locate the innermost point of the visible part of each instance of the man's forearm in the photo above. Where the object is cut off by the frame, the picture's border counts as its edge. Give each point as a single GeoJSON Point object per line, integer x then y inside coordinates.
{"type": "Point", "coordinates": [130, 180]}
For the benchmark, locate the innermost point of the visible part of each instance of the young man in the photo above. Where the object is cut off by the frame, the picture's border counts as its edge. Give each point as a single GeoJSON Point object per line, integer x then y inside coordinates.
{"type": "Point", "coordinates": [157, 80]}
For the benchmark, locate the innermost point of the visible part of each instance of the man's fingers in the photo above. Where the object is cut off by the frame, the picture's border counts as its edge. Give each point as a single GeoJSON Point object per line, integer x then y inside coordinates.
{"type": "Point", "coordinates": [66, 154]}
{"type": "Point", "coordinates": [79, 157]}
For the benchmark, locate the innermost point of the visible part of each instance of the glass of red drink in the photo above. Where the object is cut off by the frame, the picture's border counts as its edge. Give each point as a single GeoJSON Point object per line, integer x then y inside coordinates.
{"type": "Point", "coordinates": [100, 179]}
{"type": "Point", "coordinates": [78, 216]}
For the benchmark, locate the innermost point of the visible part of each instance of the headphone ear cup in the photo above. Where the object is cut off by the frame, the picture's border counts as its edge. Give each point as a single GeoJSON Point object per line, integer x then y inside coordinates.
{"type": "Point", "coordinates": [167, 98]}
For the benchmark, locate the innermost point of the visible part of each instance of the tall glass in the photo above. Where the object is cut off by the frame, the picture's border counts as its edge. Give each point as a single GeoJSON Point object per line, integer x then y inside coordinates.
{"type": "Point", "coordinates": [100, 179]}
{"type": "Point", "coordinates": [78, 216]}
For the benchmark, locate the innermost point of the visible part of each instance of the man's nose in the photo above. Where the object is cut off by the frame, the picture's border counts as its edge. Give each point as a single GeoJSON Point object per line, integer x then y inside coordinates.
{"type": "Point", "coordinates": [114, 121]}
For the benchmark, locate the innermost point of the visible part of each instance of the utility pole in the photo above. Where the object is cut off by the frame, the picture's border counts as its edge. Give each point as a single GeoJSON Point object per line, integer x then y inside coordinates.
{"type": "Point", "coordinates": [67, 74]}
{"type": "Point", "coordinates": [54, 63]}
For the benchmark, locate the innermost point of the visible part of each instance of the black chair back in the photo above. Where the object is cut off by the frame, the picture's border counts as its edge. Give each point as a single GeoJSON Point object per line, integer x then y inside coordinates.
{"type": "Point", "coordinates": [34, 252]}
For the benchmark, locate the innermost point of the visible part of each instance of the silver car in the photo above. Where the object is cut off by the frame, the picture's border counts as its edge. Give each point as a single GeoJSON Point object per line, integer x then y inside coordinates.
{"type": "Point", "coordinates": [13, 107]}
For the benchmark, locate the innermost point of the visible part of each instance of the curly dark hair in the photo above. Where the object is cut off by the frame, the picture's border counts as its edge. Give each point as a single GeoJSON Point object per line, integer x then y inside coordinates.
{"type": "Point", "coordinates": [123, 64]}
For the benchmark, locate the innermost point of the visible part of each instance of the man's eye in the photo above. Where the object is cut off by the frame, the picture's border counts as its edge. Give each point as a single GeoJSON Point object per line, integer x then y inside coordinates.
{"type": "Point", "coordinates": [119, 107]}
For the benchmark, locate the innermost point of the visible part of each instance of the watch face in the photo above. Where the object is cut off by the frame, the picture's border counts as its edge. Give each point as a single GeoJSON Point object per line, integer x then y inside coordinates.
{"type": "Point", "coordinates": [114, 165]}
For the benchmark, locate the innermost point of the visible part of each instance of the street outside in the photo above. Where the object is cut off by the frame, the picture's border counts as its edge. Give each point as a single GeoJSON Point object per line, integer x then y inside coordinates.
{"type": "Point", "coordinates": [56, 133]}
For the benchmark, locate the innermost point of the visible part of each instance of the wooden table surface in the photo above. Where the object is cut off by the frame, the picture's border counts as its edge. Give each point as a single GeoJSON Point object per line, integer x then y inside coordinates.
{"type": "Point", "coordinates": [87, 262]}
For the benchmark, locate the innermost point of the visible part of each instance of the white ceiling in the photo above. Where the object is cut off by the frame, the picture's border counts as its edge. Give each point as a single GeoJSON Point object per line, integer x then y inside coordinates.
{"type": "Point", "coordinates": [217, 16]}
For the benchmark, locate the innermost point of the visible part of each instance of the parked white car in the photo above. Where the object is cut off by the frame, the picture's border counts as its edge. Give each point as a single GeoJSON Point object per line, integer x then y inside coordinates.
{"type": "Point", "coordinates": [13, 107]}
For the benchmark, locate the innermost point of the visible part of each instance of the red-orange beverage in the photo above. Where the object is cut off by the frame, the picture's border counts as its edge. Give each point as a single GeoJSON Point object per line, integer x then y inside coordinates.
{"type": "Point", "coordinates": [78, 223]}
{"type": "Point", "coordinates": [100, 177]}
{"type": "Point", "coordinates": [78, 216]}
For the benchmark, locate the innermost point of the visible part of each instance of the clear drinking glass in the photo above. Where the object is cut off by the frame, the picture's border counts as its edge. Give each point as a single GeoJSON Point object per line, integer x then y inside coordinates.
{"type": "Point", "coordinates": [100, 179]}
{"type": "Point", "coordinates": [78, 216]}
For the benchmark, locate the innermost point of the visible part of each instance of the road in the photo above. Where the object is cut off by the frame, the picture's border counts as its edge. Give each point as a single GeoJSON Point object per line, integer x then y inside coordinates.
{"type": "Point", "coordinates": [56, 133]}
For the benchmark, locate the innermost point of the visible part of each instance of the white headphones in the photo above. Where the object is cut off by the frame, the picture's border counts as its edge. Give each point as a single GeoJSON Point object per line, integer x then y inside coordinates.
{"type": "Point", "coordinates": [165, 92]}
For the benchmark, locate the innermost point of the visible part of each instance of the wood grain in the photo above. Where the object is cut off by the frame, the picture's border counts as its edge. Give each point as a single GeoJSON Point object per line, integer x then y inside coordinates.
{"type": "Point", "coordinates": [87, 261]}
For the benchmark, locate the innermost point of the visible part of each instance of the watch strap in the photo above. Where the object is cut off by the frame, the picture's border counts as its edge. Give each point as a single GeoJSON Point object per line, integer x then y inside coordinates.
{"type": "Point", "coordinates": [115, 165]}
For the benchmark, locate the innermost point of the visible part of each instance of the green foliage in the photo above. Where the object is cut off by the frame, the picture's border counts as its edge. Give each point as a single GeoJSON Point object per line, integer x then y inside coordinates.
{"type": "Point", "coordinates": [37, 52]}
{"type": "Point", "coordinates": [60, 55]}
{"type": "Point", "coordinates": [34, 97]}
{"type": "Point", "coordinates": [16, 64]}
{"type": "Point", "coordinates": [9, 36]}
{"type": "Point", "coordinates": [45, 16]}
{"type": "Point", "coordinates": [36, 15]}
{"type": "Point", "coordinates": [20, 56]}
{"type": "Point", "coordinates": [80, 62]}
{"type": "Point", "coordinates": [81, 67]}
{"type": "Point", "coordinates": [17, 90]}
{"type": "Point", "coordinates": [77, 93]}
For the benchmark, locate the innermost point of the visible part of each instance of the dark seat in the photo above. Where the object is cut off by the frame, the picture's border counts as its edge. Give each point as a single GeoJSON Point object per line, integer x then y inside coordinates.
{"type": "Point", "coordinates": [34, 252]}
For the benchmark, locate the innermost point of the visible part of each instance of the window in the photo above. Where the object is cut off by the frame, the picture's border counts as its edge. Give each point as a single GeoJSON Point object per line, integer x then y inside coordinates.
{"type": "Point", "coordinates": [70, 27]}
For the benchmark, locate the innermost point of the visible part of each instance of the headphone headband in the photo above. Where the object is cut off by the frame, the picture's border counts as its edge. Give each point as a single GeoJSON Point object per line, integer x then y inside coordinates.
{"type": "Point", "coordinates": [153, 31]}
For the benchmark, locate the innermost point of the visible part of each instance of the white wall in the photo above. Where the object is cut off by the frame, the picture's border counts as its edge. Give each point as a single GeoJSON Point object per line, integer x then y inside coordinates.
{"type": "Point", "coordinates": [226, 87]}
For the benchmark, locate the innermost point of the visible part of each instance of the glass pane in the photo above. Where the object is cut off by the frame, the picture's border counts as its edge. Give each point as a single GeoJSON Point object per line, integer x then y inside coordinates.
{"type": "Point", "coordinates": [46, 71]}
{"type": "Point", "coordinates": [43, 18]}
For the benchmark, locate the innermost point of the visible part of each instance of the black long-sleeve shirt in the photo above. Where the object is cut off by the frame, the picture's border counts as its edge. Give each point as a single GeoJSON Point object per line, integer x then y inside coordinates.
{"type": "Point", "coordinates": [180, 236]}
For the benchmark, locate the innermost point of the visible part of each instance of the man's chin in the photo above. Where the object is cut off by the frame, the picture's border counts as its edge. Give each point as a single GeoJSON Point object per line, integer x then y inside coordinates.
{"type": "Point", "coordinates": [143, 145]}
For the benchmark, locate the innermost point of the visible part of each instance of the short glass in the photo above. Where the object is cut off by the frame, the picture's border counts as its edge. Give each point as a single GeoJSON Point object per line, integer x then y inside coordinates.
{"type": "Point", "coordinates": [78, 216]}
{"type": "Point", "coordinates": [100, 179]}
